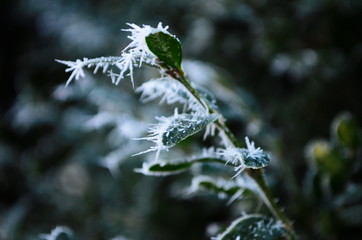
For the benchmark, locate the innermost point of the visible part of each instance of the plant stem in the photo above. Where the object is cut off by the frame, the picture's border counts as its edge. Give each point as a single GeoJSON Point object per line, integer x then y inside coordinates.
{"type": "Point", "coordinates": [256, 174]}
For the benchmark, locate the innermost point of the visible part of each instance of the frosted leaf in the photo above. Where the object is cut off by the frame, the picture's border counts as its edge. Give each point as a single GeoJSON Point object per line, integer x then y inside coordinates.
{"type": "Point", "coordinates": [165, 168]}
{"type": "Point", "coordinates": [185, 126]}
{"type": "Point", "coordinates": [138, 37]}
{"type": "Point", "coordinates": [242, 158]}
{"type": "Point", "coordinates": [220, 186]}
{"type": "Point", "coordinates": [253, 227]}
{"type": "Point", "coordinates": [56, 232]}
{"type": "Point", "coordinates": [255, 161]}
{"type": "Point", "coordinates": [231, 188]}
{"type": "Point", "coordinates": [171, 130]}
{"type": "Point", "coordinates": [167, 48]}
{"type": "Point", "coordinates": [170, 92]}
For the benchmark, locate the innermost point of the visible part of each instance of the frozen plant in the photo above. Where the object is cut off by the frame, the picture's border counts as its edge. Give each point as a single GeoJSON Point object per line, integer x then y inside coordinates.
{"type": "Point", "coordinates": [158, 48]}
{"type": "Point", "coordinates": [56, 232]}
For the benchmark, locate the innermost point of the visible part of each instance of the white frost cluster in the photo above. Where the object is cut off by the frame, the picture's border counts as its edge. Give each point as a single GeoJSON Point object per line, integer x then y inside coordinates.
{"type": "Point", "coordinates": [133, 55]}
{"type": "Point", "coordinates": [156, 132]}
{"type": "Point", "coordinates": [252, 151]}
{"type": "Point", "coordinates": [55, 233]}
{"type": "Point", "coordinates": [234, 155]}
{"type": "Point", "coordinates": [170, 92]}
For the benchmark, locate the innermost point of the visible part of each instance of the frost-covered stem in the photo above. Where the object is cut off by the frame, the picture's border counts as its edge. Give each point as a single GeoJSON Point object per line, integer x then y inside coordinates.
{"type": "Point", "coordinates": [220, 123]}
{"type": "Point", "coordinates": [182, 78]}
{"type": "Point", "coordinates": [256, 174]}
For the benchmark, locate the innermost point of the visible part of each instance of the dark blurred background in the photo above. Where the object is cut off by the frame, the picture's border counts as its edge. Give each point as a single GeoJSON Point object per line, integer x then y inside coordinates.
{"type": "Point", "coordinates": [300, 60]}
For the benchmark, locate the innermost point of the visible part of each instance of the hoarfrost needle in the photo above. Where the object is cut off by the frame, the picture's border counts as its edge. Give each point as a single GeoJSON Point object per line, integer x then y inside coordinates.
{"type": "Point", "coordinates": [252, 151]}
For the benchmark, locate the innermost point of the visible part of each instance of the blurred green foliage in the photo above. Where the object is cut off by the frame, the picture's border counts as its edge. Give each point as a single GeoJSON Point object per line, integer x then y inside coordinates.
{"type": "Point", "coordinates": [292, 67]}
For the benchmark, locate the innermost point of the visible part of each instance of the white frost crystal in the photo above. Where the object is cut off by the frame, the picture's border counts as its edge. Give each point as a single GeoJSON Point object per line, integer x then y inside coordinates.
{"type": "Point", "coordinates": [242, 158]}
{"type": "Point", "coordinates": [252, 151]}
{"type": "Point", "coordinates": [170, 92]}
{"type": "Point", "coordinates": [134, 54]}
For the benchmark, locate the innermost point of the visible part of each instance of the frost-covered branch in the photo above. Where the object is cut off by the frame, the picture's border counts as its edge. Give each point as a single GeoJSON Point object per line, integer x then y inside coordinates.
{"type": "Point", "coordinates": [136, 53]}
{"type": "Point", "coordinates": [157, 47]}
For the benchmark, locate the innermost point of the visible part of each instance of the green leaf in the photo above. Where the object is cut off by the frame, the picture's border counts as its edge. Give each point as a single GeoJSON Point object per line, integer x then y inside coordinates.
{"type": "Point", "coordinates": [346, 130]}
{"type": "Point", "coordinates": [166, 47]}
{"type": "Point", "coordinates": [165, 168]}
{"type": "Point", "coordinates": [324, 156]}
{"type": "Point", "coordinates": [259, 160]}
{"type": "Point", "coordinates": [185, 126]}
{"type": "Point", "coordinates": [253, 227]}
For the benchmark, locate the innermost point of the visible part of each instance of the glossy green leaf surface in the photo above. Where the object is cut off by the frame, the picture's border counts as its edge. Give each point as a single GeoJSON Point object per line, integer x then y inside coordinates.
{"type": "Point", "coordinates": [184, 127]}
{"type": "Point", "coordinates": [166, 47]}
{"type": "Point", "coordinates": [254, 161]}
